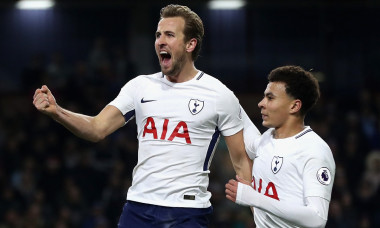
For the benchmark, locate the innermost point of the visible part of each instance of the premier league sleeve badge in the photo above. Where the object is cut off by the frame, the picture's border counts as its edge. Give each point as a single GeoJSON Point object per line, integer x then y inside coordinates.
{"type": "Point", "coordinates": [324, 176]}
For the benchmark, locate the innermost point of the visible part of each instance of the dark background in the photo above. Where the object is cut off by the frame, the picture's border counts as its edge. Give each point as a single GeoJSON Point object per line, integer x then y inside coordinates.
{"type": "Point", "coordinates": [85, 51]}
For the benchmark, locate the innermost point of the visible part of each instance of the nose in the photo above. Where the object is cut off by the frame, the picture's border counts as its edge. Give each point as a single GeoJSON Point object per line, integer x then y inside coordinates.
{"type": "Point", "coordinates": [160, 41]}
{"type": "Point", "coordinates": [261, 104]}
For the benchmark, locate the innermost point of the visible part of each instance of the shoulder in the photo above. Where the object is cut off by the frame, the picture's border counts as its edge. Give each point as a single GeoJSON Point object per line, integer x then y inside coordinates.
{"type": "Point", "coordinates": [224, 97]}
{"type": "Point", "coordinates": [314, 144]}
{"type": "Point", "coordinates": [213, 83]}
{"type": "Point", "coordinates": [141, 79]}
{"type": "Point", "coordinates": [155, 76]}
{"type": "Point", "coordinates": [310, 137]}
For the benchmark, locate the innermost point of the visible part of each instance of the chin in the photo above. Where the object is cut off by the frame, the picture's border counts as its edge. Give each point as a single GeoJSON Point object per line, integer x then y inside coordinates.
{"type": "Point", "coordinates": [170, 71]}
{"type": "Point", "coordinates": [266, 124]}
{"type": "Point", "coordinates": [165, 71]}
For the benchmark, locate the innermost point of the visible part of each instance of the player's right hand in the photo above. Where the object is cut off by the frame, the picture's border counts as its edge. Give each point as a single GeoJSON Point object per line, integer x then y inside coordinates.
{"type": "Point", "coordinates": [44, 101]}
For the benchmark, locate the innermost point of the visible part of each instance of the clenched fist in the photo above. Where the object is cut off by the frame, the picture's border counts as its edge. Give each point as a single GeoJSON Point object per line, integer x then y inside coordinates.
{"type": "Point", "coordinates": [44, 101]}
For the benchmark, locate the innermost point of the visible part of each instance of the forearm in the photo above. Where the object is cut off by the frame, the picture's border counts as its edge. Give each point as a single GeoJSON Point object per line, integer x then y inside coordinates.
{"type": "Point", "coordinates": [79, 124]}
{"type": "Point", "coordinates": [241, 162]}
{"type": "Point", "coordinates": [305, 216]}
{"type": "Point", "coordinates": [243, 166]}
{"type": "Point", "coordinates": [239, 158]}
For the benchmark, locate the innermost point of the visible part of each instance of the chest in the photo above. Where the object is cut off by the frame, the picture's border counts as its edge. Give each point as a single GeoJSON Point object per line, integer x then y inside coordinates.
{"type": "Point", "coordinates": [278, 173]}
{"type": "Point", "coordinates": [175, 108]}
{"type": "Point", "coordinates": [279, 163]}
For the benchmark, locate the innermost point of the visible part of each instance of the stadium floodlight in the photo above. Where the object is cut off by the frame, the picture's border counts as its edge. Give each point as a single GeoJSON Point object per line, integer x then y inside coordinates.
{"type": "Point", "coordinates": [34, 4]}
{"type": "Point", "coordinates": [226, 4]}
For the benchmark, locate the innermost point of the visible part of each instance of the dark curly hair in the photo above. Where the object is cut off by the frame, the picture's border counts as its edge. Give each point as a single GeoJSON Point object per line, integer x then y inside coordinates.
{"type": "Point", "coordinates": [299, 83]}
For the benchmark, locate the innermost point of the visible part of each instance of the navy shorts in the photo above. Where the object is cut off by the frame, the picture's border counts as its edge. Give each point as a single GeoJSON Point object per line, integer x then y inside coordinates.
{"type": "Point", "coordinates": [143, 215]}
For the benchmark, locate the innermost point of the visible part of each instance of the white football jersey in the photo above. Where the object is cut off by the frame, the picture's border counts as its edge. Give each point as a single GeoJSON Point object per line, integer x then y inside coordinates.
{"type": "Point", "coordinates": [178, 128]}
{"type": "Point", "coordinates": [291, 169]}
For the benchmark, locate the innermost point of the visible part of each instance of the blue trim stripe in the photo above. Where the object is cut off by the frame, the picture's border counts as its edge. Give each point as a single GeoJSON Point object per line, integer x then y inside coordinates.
{"type": "Point", "coordinates": [199, 77]}
{"type": "Point", "coordinates": [303, 133]}
{"type": "Point", "coordinates": [129, 115]}
{"type": "Point", "coordinates": [211, 149]}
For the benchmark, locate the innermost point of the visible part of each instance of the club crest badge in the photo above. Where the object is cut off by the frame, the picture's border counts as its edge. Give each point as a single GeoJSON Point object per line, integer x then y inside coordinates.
{"type": "Point", "coordinates": [195, 106]}
{"type": "Point", "coordinates": [276, 164]}
{"type": "Point", "coordinates": [324, 176]}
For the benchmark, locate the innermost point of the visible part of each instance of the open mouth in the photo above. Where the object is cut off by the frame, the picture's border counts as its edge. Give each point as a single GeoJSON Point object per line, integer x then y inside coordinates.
{"type": "Point", "coordinates": [165, 57]}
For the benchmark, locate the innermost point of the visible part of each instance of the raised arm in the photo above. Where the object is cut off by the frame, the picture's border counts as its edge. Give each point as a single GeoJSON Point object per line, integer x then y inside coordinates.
{"type": "Point", "coordinates": [250, 133]}
{"type": "Point", "coordinates": [240, 160]}
{"type": "Point", "coordinates": [92, 128]}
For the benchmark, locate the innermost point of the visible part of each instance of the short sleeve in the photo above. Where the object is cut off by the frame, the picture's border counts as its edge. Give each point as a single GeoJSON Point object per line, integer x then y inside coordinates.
{"type": "Point", "coordinates": [319, 173]}
{"type": "Point", "coordinates": [251, 134]}
{"type": "Point", "coordinates": [125, 99]}
{"type": "Point", "coordinates": [229, 114]}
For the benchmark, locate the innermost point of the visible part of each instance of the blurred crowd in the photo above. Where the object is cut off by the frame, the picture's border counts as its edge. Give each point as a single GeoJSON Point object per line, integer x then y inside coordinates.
{"type": "Point", "coordinates": [51, 178]}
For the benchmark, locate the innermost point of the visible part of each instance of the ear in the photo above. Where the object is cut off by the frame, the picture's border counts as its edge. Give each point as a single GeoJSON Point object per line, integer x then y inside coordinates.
{"type": "Point", "coordinates": [191, 44]}
{"type": "Point", "coordinates": [295, 106]}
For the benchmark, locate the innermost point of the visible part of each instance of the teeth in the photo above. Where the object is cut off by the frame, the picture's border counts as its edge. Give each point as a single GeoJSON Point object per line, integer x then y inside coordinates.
{"type": "Point", "coordinates": [163, 52]}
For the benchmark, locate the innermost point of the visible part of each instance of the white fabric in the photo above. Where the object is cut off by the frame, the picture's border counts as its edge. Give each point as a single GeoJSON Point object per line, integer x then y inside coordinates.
{"type": "Point", "coordinates": [289, 170]}
{"type": "Point", "coordinates": [251, 133]}
{"type": "Point", "coordinates": [321, 205]}
{"type": "Point", "coordinates": [292, 215]}
{"type": "Point", "coordinates": [177, 147]}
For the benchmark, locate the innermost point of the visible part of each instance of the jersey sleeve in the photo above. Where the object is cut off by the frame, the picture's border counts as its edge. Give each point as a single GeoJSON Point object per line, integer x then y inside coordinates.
{"type": "Point", "coordinates": [251, 134]}
{"type": "Point", "coordinates": [229, 113]}
{"type": "Point", "coordinates": [319, 173]}
{"type": "Point", "coordinates": [313, 214]}
{"type": "Point", "coordinates": [125, 99]}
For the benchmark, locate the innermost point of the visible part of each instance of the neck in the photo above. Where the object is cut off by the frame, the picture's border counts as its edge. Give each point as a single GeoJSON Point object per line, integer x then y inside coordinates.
{"type": "Point", "coordinates": [288, 130]}
{"type": "Point", "coordinates": [187, 73]}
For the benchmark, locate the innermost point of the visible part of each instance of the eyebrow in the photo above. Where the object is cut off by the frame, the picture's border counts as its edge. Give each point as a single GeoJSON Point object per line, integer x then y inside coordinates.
{"type": "Point", "coordinates": [165, 32]}
{"type": "Point", "coordinates": [268, 94]}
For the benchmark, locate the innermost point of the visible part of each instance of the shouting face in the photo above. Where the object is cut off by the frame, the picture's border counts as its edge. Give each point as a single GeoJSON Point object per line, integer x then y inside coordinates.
{"type": "Point", "coordinates": [170, 45]}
